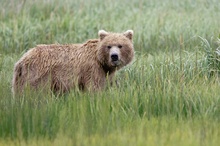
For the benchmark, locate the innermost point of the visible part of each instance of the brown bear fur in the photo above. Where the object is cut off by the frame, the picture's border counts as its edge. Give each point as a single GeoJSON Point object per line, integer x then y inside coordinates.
{"type": "Point", "coordinates": [86, 66]}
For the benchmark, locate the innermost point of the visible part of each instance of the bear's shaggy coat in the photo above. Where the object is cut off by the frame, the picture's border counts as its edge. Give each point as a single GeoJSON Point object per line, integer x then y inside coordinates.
{"type": "Point", "coordinates": [63, 67]}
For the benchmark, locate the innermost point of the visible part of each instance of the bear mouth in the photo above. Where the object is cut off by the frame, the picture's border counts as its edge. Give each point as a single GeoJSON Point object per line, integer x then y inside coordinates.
{"type": "Point", "coordinates": [115, 63]}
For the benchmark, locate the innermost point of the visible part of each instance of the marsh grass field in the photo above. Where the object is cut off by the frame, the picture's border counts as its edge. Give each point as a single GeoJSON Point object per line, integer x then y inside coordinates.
{"type": "Point", "coordinates": [169, 95]}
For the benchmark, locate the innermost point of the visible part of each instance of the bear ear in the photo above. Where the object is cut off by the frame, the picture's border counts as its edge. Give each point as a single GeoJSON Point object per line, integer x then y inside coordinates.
{"type": "Point", "coordinates": [129, 34]}
{"type": "Point", "coordinates": [102, 34]}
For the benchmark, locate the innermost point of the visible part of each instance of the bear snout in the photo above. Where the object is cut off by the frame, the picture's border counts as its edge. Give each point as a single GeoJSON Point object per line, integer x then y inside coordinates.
{"type": "Point", "coordinates": [115, 60]}
{"type": "Point", "coordinates": [114, 57]}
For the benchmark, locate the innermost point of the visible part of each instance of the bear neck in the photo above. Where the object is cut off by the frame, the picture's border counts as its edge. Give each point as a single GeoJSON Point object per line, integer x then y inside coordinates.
{"type": "Point", "coordinates": [108, 70]}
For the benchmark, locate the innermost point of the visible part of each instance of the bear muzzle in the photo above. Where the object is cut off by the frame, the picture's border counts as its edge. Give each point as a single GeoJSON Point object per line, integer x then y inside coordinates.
{"type": "Point", "coordinates": [115, 60]}
{"type": "Point", "coordinates": [115, 56]}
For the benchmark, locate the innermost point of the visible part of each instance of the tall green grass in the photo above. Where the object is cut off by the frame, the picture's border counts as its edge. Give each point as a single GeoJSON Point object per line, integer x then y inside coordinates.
{"type": "Point", "coordinates": [157, 25]}
{"type": "Point", "coordinates": [154, 102]}
{"type": "Point", "coordinates": [169, 95]}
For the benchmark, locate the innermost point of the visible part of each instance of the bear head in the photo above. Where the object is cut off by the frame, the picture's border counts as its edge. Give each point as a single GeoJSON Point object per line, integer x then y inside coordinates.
{"type": "Point", "coordinates": [115, 50]}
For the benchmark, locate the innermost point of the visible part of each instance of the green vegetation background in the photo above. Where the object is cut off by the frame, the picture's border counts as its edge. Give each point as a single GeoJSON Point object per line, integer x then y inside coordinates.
{"type": "Point", "coordinates": [168, 96]}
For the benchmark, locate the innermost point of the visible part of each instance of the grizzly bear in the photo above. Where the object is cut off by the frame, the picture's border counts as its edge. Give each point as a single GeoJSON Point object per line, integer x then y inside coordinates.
{"type": "Point", "coordinates": [87, 66]}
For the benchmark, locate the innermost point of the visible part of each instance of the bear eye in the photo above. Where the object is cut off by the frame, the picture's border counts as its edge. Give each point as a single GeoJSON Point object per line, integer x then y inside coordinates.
{"type": "Point", "coordinates": [109, 47]}
{"type": "Point", "coordinates": [120, 46]}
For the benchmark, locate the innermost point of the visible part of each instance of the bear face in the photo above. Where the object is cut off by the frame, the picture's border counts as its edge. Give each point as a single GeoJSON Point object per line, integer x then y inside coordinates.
{"type": "Point", "coordinates": [115, 49]}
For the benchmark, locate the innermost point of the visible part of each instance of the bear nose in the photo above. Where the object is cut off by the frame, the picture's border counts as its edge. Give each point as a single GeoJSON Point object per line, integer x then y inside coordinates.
{"type": "Point", "coordinates": [114, 57]}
